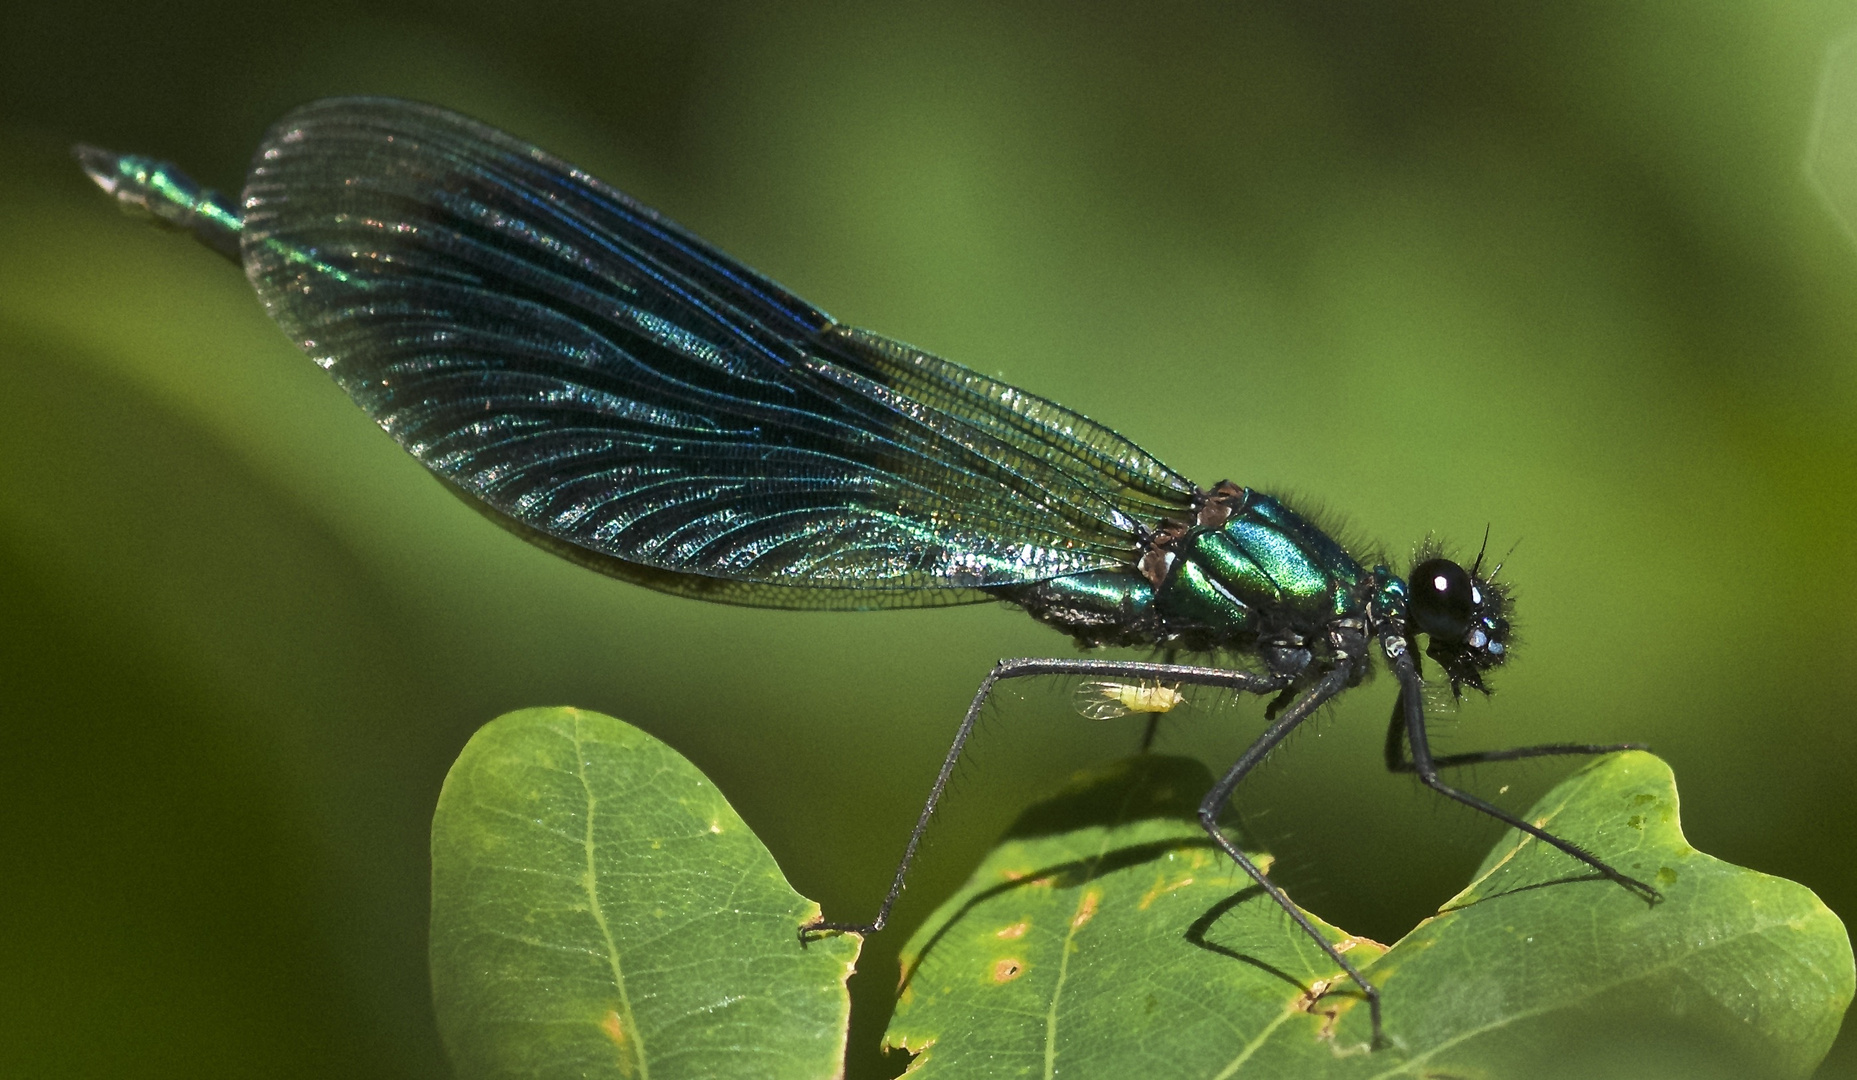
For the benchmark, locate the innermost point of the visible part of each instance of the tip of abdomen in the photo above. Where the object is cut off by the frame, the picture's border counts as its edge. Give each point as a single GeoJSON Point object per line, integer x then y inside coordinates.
{"type": "Point", "coordinates": [156, 188]}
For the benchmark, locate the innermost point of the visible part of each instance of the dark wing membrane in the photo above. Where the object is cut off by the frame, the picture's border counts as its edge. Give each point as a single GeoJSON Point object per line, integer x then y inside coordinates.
{"type": "Point", "coordinates": [600, 378]}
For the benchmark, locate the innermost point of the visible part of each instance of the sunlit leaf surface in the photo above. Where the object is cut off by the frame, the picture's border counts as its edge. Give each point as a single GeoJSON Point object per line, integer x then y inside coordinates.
{"type": "Point", "coordinates": [1103, 938]}
{"type": "Point", "coordinates": [599, 910]}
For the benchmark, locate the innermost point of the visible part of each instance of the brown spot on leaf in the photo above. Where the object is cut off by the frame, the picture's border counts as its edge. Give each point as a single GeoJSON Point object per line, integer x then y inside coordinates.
{"type": "Point", "coordinates": [1306, 1001]}
{"type": "Point", "coordinates": [1160, 889]}
{"type": "Point", "coordinates": [1086, 910]}
{"type": "Point", "coordinates": [1316, 1002]}
{"type": "Point", "coordinates": [622, 1039]}
{"type": "Point", "coordinates": [1323, 1000]}
{"type": "Point", "coordinates": [1004, 971]}
{"type": "Point", "coordinates": [1016, 930]}
{"type": "Point", "coordinates": [1021, 875]}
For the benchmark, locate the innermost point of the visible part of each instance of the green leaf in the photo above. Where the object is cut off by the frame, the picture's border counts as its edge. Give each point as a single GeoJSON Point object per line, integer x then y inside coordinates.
{"type": "Point", "coordinates": [1105, 937]}
{"type": "Point", "coordinates": [599, 910]}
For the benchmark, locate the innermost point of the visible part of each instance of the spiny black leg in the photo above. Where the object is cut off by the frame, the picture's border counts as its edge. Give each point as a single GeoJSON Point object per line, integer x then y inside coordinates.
{"type": "Point", "coordinates": [1411, 698]}
{"type": "Point", "coordinates": [1214, 804]}
{"type": "Point", "coordinates": [1396, 735]}
{"type": "Point", "coordinates": [1397, 760]}
{"type": "Point", "coordinates": [1246, 681]}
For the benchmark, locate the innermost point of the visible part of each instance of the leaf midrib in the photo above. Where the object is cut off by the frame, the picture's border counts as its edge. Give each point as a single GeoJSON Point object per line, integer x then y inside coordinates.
{"type": "Point", "coordinates": [599, 913]}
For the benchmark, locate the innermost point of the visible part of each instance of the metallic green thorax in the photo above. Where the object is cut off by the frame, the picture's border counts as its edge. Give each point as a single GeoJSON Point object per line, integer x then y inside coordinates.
{"type": "Point", "coordinates": [1263, 574]}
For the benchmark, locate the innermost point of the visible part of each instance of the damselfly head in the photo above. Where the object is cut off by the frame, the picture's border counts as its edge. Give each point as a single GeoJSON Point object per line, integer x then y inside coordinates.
{"type": "Point", "coordinates": [1464, 616]}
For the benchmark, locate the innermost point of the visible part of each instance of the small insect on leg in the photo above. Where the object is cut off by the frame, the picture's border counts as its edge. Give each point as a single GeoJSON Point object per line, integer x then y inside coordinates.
{"type": "Point", "coordinates": [1152, 729]}
{"type": "Point", "coordinates": [1108, 699]}
{"type": "Point", "coordinates": [1411, 703]}
{"type": "Point", "coordinates": [1104, 670]}
{"type": "Point", "coordinates": [1214, 804]}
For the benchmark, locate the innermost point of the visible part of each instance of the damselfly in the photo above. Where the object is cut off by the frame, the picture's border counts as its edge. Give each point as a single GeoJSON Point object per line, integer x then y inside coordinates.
{"type": "Point", "coordinates": [607, 385]}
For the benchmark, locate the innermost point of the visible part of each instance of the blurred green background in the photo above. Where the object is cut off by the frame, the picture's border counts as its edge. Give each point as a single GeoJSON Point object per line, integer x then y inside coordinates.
{"type": "Point", "coordinates": [1430, 266]}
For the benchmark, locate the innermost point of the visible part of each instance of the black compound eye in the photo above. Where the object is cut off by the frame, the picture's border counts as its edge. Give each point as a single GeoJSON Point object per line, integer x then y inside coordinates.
{"type": "Point", "coordinates": [1443, 598]}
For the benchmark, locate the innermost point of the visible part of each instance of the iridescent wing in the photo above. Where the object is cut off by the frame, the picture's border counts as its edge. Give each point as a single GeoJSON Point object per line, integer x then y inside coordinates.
{"type": "Point", "coordinates": [612, 387]}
